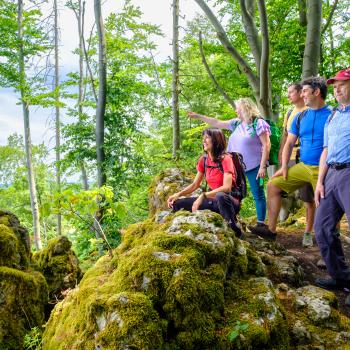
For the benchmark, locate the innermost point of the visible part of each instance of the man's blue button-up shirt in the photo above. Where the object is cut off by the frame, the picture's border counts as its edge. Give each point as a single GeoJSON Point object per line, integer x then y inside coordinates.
{"type": "Point", "coordinates": [337, 136]}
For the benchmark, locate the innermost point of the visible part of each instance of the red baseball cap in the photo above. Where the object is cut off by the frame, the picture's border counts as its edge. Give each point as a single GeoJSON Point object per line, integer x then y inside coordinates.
{"type": "Point", "coordinates": [343, 74]}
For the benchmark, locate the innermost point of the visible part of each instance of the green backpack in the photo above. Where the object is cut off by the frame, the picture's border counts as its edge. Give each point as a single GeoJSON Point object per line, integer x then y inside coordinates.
{"type": "Point", "coordinates": [275, 140]}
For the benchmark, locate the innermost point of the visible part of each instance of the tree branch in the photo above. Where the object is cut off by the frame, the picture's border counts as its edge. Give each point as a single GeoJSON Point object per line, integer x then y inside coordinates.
{"type": "Point", "coordinates": [252, 78]}
{"type": "Point", "coordinates": [205, 63]}
{"type": "Point", "coordinates": [265, 54]}
{"type": "Point", "coordinates": [247, 9]}
{"type": "Point", "coordinates": [302, 13]}
{"type": "Point", "coordinates": [329, 19]}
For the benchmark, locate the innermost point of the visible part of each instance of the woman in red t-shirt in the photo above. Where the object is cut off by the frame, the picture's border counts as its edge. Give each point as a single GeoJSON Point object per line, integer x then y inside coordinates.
{"type": "Point", "coordinates": [218, 198]}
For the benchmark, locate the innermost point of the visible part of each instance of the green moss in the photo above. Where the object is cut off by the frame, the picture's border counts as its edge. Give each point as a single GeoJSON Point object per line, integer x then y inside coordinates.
{"type": "Point", "coordinates": [60, 266]}
{"type": "Point", "coordinates": [22, 299]}
{"type": "Point", "coordinates": [182, 284]}
{"type": "Point", "coordinates": [8, 247]}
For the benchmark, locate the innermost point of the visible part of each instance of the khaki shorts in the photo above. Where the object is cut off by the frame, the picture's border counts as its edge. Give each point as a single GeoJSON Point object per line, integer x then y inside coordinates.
{"type": "Point", "coordinates": [298, 175]}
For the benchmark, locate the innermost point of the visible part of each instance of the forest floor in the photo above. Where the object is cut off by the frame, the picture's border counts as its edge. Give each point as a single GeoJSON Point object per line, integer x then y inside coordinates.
{"type": "Point", "coordinates": [290, 238]}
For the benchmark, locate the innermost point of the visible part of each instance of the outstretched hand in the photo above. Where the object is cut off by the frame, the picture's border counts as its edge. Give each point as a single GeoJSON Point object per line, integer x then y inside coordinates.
{"type": "Point", "coordinates": [193, 115]}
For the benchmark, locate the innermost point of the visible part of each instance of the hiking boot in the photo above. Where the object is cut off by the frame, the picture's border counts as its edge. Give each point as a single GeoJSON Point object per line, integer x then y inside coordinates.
{"type": "Point", "coordinates": [307, 240]}
{"type": "Point", "coordinates": [264, 232]}
{"type": "Point", "coordinates": [332, 284]}
{"type": "Point", "coordinates": [258, 224]}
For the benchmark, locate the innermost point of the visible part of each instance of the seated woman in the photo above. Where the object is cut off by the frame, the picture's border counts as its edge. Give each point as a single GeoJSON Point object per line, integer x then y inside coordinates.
{"type": "Point", "coordinates": [218, 198]}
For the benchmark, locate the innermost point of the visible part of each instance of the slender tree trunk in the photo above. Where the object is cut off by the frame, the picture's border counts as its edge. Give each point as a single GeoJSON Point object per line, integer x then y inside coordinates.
{"type": "Point", "coordinates": [27, 137]}
{"type": "Point", "coordinates": [102, 90]}
{"type": "Point", "coordinates": [80, 18]}
{"type": "Point", "coordinates": [176, 83]}
{"type": "Point", "coordinates": [57, 121]}
{"type": "Point", "coordinates": [313, 38]}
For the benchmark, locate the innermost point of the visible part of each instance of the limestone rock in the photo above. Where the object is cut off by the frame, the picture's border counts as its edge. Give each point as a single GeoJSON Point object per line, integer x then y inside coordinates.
{"type": "Point", "coordinates": [59, 265]}
{"type": "Point", "coordinates": [166, 184]}
{"type": "Point", "coordinates": [189, 283]}
{"type": "Point", "coordinates": [23, 293]}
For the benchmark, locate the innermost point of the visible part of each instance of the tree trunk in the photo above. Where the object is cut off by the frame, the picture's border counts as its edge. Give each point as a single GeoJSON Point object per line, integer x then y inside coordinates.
{"type": "Point", "coordinates": [57, 121]}
{"type": "Point", "coordinates": [175, 82]}
{"type": "Point", "coordinates": [81, 97]}
{"type": "Point", "coordinates": [313, 39]}
{"type": "Point", "coordinates": [101, 103]}
{"type": "Point", "coordinates": [27, 137]}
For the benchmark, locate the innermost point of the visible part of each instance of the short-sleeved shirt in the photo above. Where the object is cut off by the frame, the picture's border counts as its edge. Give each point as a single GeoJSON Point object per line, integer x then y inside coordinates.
{"type": "Point", "coordinates": [214, 176]}
{"type": "Point", "coordinates": [287, 122]}
{"type": "Point", "coordinates": [337, 136]}
{"type": "Point", "coordinates": [310, 132]}
{"type": "Point", "coordinates": [246, 141]}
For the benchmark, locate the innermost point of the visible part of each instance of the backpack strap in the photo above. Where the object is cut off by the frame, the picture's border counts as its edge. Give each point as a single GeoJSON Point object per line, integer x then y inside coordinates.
{"type": "Point", "coordinates": [288, 116]}
{"type": "Point", "coordinates": [333, 113]}
{"type": "Point", "coordinates": [300, 117]}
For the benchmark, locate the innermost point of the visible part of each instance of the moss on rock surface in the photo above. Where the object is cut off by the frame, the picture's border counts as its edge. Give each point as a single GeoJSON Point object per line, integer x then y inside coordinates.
{"type": "Point", "coordinates": [23, 293]}
{"type": "Point", "coordinates": [59, 265]}
{"type": "Point", "coordinates": [14, 242]}
{"type": "Point", "coordinates": [187, 283]}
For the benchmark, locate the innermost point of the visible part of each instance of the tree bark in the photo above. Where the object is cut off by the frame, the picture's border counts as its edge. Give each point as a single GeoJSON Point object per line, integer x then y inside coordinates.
{"type": "Point", "coordinates": [247, 9]}
{"type": "Point", "coordinates": [57, 119]}
{"type": "Point", "coordinates": [27, 137]}
{"type": "Point", "coordinates": [175, 79]}
{"type": "Point", "coordinates": [102, 91]}
{"type": "Point", "coordinates": [313, 38]}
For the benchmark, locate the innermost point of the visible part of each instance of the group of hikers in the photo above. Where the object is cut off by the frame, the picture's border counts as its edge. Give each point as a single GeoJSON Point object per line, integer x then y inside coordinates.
{"type": "Point", "coordinates": [314, 158]}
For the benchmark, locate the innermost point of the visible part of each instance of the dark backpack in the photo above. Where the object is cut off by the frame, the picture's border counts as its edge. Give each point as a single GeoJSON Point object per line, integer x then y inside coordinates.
{"type": "Point", "coordinates": [239, 188]}
{"type": "Point", "coordinates": [275, 139]}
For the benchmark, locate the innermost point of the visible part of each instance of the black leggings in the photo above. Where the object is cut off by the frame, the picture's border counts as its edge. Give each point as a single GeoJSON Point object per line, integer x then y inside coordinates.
{"type": "Point", "coordinates": [223, 204]}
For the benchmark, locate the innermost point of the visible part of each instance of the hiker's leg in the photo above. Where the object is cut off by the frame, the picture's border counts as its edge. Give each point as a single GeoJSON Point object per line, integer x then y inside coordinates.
{"type": "Point", "coordinates": [258, 194]}
{"type": "Point", "coordinates": [298, 175]}
{"type": "Point", "coordinates": [306, 194]}
{"type": "Point", "coordinates": [184, 203]}
{"type": "Point", "coordinates": [310, 216]}
{"type": "Point", "coordinates": [328, 214]}
{"type": "Point", "coordinates": [229, 208]}
{"type": "Point", "coordinates": [274, 204]}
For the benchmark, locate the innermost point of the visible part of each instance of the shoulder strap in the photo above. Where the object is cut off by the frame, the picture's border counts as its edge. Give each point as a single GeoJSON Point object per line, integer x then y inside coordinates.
{"type": "Point", "coordinates": [289, 113]}
{"type": "Point", "coordinates": [300, 117]}
{"type": "Point", "coordinates": [332, 116]}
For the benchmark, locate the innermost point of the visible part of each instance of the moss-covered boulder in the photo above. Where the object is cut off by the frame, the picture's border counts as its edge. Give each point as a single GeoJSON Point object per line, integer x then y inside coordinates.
{"type": "Point", "coordinates": [59, 265]}
{"type": "Point", "coordinates": [14, 242]}
{"type": "Point", "coordinates": [187, 283]}
{"type": "Point", "coordinates": [23, 293]}
{"type": "Point", "coordinates": [164, 185]}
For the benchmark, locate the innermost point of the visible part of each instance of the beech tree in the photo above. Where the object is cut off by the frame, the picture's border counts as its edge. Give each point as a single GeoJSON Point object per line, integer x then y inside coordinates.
{"type": "Point", "coordinates": [254, 16]}
{"type": "Point", "coordinates": [175, 79]}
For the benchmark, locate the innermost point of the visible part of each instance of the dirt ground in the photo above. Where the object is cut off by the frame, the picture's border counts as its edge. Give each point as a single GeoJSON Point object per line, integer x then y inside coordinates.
{"type": "Point", "coordinates": [290, 238]}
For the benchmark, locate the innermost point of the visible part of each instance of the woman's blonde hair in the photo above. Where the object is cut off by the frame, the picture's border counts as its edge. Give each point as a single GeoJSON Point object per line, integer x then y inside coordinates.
{"type": "Point", "coordinates": [249, 109]}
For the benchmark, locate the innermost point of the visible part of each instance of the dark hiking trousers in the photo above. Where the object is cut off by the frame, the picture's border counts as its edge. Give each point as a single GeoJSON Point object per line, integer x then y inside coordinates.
{"type": "Point", "coordinates": [223, 204]}
{"type": "Point", "coordinates": [328, 214]}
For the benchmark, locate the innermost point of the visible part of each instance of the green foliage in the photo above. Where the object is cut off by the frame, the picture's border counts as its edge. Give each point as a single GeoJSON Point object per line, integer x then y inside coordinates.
{"type": "Point", "coordinates": [239, 328]}
{"type": "Point", "coordinates": [32, 340]}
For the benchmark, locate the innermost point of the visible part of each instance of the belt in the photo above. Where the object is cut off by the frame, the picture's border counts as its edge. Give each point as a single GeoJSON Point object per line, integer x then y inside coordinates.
{"type": "Point", "coordinates": [339, 166]}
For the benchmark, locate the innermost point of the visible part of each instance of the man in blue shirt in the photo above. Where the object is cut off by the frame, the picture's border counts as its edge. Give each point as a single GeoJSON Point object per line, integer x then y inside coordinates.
{"type": "Point", "coordinates": [308, 126]}
{"type": "Point", "coordinates": [332, 194]}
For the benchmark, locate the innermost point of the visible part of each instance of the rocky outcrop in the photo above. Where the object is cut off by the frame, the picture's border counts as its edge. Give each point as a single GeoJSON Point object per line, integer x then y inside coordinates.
{"type": "Point", "coordinates": [188, 283]}
{"type": "Point", "coordinates": [59, 265]}
{"type": "Point", "coordinates": [23, 292]}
